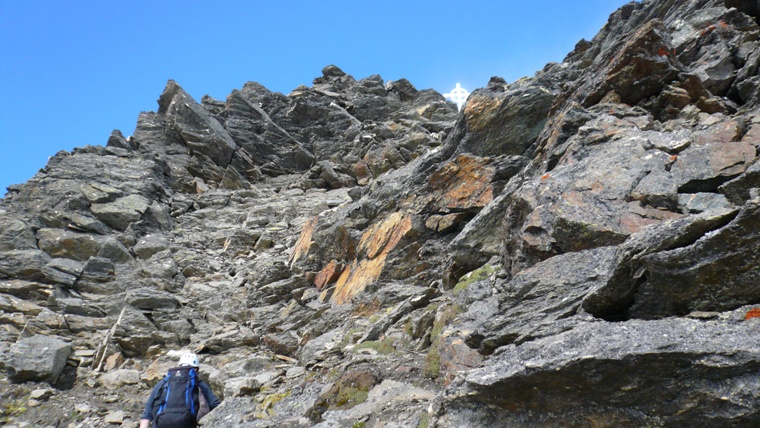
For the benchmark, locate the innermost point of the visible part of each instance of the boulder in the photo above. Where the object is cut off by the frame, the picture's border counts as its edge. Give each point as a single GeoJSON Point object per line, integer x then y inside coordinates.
{"type": "Point", "coordinates": [134, 332]}
{"type": "Point", "coordinates": [115, 251]}
{"type": "Point", "coordinates": [70, 245]}
{"type": "Point", "coordinates": [540, 301]}
{"type": "Point", "coordinates": [714, 273]}
{"type": "Point", "coordinates": [117, 379]}
{"type": "Point", "coordinates": [122, 212]}
{"type": "Point", "coordinates": [241, 386]}
{"type": "Point", "coordinates": [636, 289]}
{"type": "Point", "coordinates": [37, 358]}
{"type": "Point", "coordinates": [609, 372]}
{"type": "Point", "coordinates": [28, 265]}
{"type": "Point", "coordinates": [15, 234]}
{"type": "Point", "coordinates": [197, 128]}
{"type": "Point", "coordinates": [63, 271]}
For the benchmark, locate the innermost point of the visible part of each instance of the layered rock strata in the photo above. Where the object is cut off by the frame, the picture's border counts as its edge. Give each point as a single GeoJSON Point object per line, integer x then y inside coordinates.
{"type": "Point", "coordinates": [576, 248]}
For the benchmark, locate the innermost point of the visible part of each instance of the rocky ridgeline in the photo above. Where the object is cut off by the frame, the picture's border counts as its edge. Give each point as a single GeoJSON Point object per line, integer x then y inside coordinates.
{"type": "Point", "coordinates": [578, 248]}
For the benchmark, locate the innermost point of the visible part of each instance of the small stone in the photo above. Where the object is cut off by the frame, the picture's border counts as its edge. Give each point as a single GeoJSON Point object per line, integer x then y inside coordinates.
{"type": "Point", "coordinates": [263, 243]}
{"type": "Point", "coordinates": [83, 353]}
{"type": "Point", "coordinates": [114, 361]}
{"type": "Point", "coordinates": [295, 372]}
{"type": "Point", "coordinates": [83, 408]}
{"type": "Point", "coordinates": [240, 387]}
{"type": "Point", "coordinates": [116, 417]}
{"type": "Point", "coordinates": [41, 394]}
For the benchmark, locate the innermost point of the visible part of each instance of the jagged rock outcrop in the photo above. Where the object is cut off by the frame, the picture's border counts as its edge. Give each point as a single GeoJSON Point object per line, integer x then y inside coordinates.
{"type": "Point", "coordinates": [575, 248]}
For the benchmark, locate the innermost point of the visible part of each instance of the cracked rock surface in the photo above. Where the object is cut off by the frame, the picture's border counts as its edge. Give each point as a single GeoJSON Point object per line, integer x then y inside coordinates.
{"type": "Point", "coordinates": [577, 248]}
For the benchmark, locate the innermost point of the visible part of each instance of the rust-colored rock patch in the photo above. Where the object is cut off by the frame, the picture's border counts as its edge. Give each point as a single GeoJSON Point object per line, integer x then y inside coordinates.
{"type": "Point", "coordinates": [328, 274]}
{"type": "Point", "coordinates": [479, 111]}
{"type": "Point", "coordinates": [377, 241]}
{"type": "Point", "coordinates": [304, 241]}
{"type": "Point", "coordinates": [463, 183]}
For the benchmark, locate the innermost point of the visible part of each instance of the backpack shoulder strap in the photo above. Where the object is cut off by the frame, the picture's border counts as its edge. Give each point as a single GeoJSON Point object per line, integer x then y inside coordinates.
{"type": "Point", "coordinates": [162, 394]}
{"type": "Point", "coordinates": [191, 393]}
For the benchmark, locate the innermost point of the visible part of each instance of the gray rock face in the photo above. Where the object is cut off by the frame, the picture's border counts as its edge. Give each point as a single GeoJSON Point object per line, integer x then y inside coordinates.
{"type": "Point", "coordinates": [724, 280]}
{"type": "Point", "coordinates": [198, 129]}
{"type": "Point", "coordinates": [576, 248]}
{"type": "Point", "coordinates": [37, 358]}
{"type": "Point", "coordinates": [122, 212]}
{"type": "Point", "coordinates": [612, 371]}
{"type": "Point", "coordinates": [542, 300]}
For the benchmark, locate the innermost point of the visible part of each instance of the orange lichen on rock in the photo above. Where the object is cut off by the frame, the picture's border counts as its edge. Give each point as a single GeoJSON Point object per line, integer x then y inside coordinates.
{"type": "Point", "coordinates": [356, 278]}
{"type": "Point", "coordinates": [383, 236]}
{"type": "Point", "coordinates": [463, 183]}
{"type": "Point", "coordinates": [376, 242]}
{"type": "Point", "coordinates": [304, 241]}
{"type": "Point", "coordinates": [328, 274]}
{"type": "Point", "coordinates": [479, 111]}
{"type": "Point", "coordinates": [752, 313]}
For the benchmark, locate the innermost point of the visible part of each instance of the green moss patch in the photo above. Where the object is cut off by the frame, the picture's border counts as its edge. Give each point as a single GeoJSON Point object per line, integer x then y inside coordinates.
{"type": "Point", "coordinates": [350, 390]}
{"type": "Point", "coordinates": [12, 407]}
{"type": "Point", "coordinates": [383, 347]}
{"type": "Point", "coordinates": [477, 275]}
{"type": "Point", "coordinates": [265, 409]}
{"type": "Point", "coordinates": [446, 314]}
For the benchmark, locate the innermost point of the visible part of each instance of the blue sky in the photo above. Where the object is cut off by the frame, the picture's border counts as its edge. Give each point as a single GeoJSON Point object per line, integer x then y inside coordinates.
{"type": "Point", "coordinates": [72, 71]}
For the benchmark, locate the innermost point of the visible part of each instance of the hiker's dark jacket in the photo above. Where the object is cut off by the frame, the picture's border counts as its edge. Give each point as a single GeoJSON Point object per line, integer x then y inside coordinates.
{"type": "Point", "coordinates": [204, 389]}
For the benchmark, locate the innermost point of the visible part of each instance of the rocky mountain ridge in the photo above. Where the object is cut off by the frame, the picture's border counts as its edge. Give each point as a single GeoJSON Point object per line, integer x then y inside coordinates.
{"type": "Point", "coordinates": [577, 248]}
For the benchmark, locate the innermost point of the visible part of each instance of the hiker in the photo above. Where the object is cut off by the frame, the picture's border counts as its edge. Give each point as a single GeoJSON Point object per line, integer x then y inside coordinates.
{"type": "Point", "coordinates": [171, 406]}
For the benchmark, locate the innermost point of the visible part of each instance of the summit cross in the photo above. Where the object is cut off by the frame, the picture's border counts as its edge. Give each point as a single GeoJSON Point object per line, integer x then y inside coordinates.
{"type": "Point", "coordinates": [458, 95]}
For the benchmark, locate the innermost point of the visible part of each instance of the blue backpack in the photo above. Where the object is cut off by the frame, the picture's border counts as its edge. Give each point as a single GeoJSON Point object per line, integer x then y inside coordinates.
{"type": "Point", "coordinates": [177, 402]}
